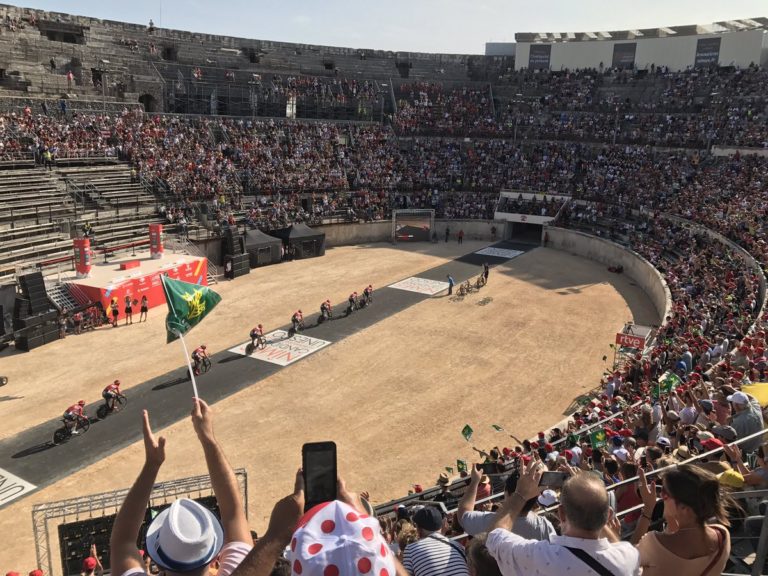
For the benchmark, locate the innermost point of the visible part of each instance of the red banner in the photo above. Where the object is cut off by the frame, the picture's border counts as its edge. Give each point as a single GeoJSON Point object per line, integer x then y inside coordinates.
{"type": "Point", "coordinates": [630, 341]}
{"type": "Point", "coordinates": [82, 248]}
{"type": "Point", "coordinates": [156, 240]}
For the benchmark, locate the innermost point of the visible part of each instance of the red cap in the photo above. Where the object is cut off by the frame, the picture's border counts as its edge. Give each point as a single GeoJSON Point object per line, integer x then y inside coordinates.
{"type": "Point", "coordinates": [36, 573]}
{"type": "Point", "coordinates": [12, 574]}
{"type": "Point", "coordinates": [625, 432]}
{"type": "Point", "coordinates": [418, 489]}
{"type": "Point", "coordinates": [534, 444]}
{"type": "Point", "coordinates": [548, 447]}
{"type": "Point", "coordinates": [89, 564]}
{"type": "Point", "coordinates": [618, 422]}
{"type": "Point", "coordinates": [505, 451]}
{"type": "Point", "coordinates": [542, 435]}
{"type": "Point", "coordinates": [579, 422]}
{"type": "Point", "coordinates": [712, 444]}
{"type": "Point", "coordinates": [526, 459]}
{"type": "Point", "coordinates": [568, 455]}
{"type": "Point", "coordinates": [588, 451]}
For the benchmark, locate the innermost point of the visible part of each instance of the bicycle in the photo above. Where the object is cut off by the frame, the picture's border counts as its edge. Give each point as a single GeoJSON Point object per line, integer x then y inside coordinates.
{"type": "Point", "coordinates": [82, 424]}
{"type": "Point", "coordinates": [118, 404]}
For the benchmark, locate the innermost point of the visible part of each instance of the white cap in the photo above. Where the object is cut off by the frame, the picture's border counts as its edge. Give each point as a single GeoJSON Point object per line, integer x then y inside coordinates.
{"type": "Point", "coordinates": [547, 498]}
{"type": "Point", "coordinates": [738, 398]}
{"type": "Point", "coordinates": [184, 537]}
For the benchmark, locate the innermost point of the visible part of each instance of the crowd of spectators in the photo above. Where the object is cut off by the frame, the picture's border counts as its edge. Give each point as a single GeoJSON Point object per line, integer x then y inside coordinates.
{"type": "Point", "coordinates": [688, 395]}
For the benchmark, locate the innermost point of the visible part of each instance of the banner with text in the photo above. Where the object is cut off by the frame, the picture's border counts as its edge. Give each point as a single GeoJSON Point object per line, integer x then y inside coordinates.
{"type": "Point", "coordinates": [624, 55]}
{"type": "Point", "coordinates": [539, 56]}
{"type": "Point", "coordinates": [707, 52]}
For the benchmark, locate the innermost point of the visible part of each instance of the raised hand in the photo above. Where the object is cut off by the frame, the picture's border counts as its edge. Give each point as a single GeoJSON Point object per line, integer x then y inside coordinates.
{"type": "Point", "coordinates": [154, 448]}
{"type": "Point", "coordinates": [287, 512]}
{"type": "Point", "coordinates": [202, 420]}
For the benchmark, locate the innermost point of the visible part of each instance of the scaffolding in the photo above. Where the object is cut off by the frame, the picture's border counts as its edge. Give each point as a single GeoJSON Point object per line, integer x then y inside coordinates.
{"type": "Point", "coordinates": [96, 505]}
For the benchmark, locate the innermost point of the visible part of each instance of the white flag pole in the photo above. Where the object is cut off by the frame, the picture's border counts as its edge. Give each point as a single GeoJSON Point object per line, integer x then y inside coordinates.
{"type": "Point", "coordinates": [189, 364]}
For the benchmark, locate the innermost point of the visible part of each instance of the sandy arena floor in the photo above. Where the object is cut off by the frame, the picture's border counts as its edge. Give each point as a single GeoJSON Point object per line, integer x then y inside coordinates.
{"type": "Point", "coordinates": [394, 397]}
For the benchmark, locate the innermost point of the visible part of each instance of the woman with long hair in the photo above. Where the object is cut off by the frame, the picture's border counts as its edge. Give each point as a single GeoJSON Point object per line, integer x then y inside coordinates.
{"type": "Point", "coordinates": [695, 541]}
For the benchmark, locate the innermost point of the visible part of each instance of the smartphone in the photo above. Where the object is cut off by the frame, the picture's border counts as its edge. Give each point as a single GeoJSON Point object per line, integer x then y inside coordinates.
{"type": "Point", "coordinates": [318, 462]}
{"type": "Point", "coordinates": [553, 479]}
{"type": "Point", "coordinates": [644, 461]}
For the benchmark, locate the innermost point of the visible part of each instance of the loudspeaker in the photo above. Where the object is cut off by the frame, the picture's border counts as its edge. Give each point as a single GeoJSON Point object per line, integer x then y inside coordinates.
{"type": "Point", "coordinates": [236, 265]}
{"type": "Point", "coordinates": [21, 308]}
{"type": "Point", "coordinates": [26, 344]}
{"type": "Point", "coordinates": [33, 289]}
{"type": "Point", "coordinates": [234, 242]}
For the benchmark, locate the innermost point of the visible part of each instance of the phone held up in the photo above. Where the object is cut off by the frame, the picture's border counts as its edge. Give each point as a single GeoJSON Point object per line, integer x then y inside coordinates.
{"type": "Point", "coordinates": [318, 462]}
{"type": "Point", "coordinates": [553, 479]}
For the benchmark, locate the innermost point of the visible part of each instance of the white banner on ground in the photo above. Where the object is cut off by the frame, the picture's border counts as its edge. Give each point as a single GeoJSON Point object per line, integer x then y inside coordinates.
{"type": "Point", "coordinates": [420, 285]}
{"type": "Point", "coordinates": [499, 252]}
{"type": "Point", "coordinates": [13, 487]}
{"type": "Point", "coordinates": [282, 349]}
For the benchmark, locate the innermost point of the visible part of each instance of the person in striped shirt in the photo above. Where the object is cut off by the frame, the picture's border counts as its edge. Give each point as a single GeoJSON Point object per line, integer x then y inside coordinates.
{"type": "Point", "coordinates": [433, 554]}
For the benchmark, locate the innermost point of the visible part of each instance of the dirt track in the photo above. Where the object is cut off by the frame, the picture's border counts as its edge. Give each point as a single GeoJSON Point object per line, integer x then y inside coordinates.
{"type": "Point", "coordinates": [394, 397]}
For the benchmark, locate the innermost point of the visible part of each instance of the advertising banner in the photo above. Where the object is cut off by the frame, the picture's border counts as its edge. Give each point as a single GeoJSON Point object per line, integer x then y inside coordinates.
{"type": "Point", "coordinates": [630, 341]}
{"type": "Point", "coordinates": [624, 55]}
{"type": "Point", "coordinates": [707, 52]}
{"type": "Point", "coordinates": [539, 56]}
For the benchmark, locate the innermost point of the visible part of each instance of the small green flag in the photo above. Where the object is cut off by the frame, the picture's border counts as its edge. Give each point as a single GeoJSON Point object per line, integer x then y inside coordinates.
{"type": "Point", "coordinates": [598, 438]}
{"type": "Point", "coordinates": [449, 469]}
{"type": "Point", "coordinates": [461, 465]}
{"type": "Point", "coordinates": [188, 304]}
{"type": "Point", "coordinates": [667, 382]}
{"type": "Point", "coordinates": [497, 428]}
{"type": "Point", "coordinates": [467, 432]}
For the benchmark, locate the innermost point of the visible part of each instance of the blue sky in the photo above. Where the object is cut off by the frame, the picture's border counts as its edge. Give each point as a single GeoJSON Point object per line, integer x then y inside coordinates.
{"type": "Point", "coordinates": [453, 26]}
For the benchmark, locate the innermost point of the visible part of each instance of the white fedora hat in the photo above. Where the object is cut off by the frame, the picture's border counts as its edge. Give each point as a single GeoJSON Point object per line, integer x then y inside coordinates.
{"type": "Point", "coordinates": [184, 537]}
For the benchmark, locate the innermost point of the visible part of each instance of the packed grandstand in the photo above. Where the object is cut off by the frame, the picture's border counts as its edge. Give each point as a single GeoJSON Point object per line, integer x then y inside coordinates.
{"type": "Point", "coordinates": [143, 126]}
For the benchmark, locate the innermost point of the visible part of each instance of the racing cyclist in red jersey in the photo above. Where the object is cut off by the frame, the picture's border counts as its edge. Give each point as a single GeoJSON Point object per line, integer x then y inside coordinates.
{"type": "Point", "coordinates": [197, 357]}
{"type": "Point", "coordinates": [368, 294]}
{"type": "Point", "coordinates": [297, 320]}
{"type": "Point", "coordinates": [257, 336]}
{"type": "Point", "coordinates": [71, 415]}
{"type": "Point", "coordinates": [110, 393]}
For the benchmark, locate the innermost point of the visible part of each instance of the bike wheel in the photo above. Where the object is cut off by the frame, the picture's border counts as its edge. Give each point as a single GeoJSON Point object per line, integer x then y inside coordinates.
{"type": "Point", "coordinates": [60, 436]}
{"type": "Point", "coordinates": [101, 412]}
{"type": "Point", "coordinates": [206, 365]}
{"type": "Point", "coordinates": [83, 425]}
{"type": "Point", "coordinates": [120, 403]}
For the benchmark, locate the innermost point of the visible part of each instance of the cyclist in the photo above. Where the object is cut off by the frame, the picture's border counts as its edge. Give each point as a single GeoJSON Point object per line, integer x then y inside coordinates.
{"type": "Point", "coordinates": [368, 295]}
{"type": "Point", "coordinates": [352, 302]}
{"type": "Point", "coordinates": [197, 357]}
{"type": "Point", "coordinates": [257, 336]}
{"type": "Point", "coordinates": [71, 416]}
{"type": "Point", "coordinates": [326, 310]}
{"type": "Point", "coordinates": [297, 320]}
{"type": "Point", "coordinates": [110, 393]}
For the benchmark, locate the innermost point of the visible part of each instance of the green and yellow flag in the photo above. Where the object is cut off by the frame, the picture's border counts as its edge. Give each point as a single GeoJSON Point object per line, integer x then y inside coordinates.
{"type": "Point", "coordinates": [598, 438]}
{"type": "Point", "coordinates": [461, 465]}
{"type": "Point", "coordinates": [188, 304]}
{"type": "Point", "coordinates": [497, 428]}
{"type": "Point", "coordinates": [467, 432]}
{"type": "Point", "coordinates": [667, 382]}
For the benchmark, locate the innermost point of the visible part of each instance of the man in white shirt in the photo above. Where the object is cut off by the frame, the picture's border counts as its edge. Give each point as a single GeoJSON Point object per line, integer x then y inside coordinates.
{"type": "Point", "coordinates": [185, 538]}
{"type": "Point", "coordinates": [587, 545]}
{"type": "Point", "coordinates": [528, 525]}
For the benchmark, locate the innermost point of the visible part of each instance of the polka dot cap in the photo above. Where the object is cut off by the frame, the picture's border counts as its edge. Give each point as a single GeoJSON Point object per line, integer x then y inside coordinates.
{"type": "Point", "coordinates": [332, 539]}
